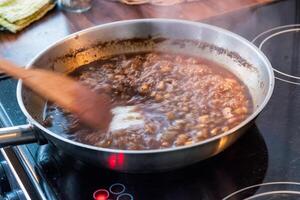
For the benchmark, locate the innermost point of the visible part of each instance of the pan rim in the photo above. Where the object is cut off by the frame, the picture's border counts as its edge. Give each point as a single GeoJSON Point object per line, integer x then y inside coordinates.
{"type": "Point", "coordinates": [251, 117]}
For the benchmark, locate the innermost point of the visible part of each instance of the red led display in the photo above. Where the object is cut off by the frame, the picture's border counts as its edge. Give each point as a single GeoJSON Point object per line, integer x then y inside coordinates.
{"type": "Point", "coordinates": [101, 197]}
{"type": "Point", "coordinates": [101, 194]}
{"type": "Point", "coordinates": [116, 160]}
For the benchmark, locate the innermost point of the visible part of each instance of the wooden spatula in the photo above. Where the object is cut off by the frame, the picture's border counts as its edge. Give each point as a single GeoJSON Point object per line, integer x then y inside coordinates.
{"type": "Point", "coordinates": [91, 108]}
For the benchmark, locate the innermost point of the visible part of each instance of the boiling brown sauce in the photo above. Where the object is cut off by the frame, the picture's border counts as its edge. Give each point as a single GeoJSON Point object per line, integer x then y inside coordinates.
{"type": "Point", "coordinates": [182, 100]}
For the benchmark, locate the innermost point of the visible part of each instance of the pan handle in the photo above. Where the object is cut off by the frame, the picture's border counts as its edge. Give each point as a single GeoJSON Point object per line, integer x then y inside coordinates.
{"type": "Point", "coordinates": [15, 135]}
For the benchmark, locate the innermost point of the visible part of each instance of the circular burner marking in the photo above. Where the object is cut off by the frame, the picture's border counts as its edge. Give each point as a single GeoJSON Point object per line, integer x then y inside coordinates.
{"type": "Point", "coordinates": [280, 195]}
{"type": "Point", "coordinates": [271, 190]}
{"type": "Point", "coordinates": [261, 40]}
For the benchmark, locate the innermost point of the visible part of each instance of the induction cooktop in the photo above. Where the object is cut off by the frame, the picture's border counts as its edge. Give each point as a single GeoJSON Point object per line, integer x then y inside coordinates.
{"type": "Point", "coordinates": [263, 164]}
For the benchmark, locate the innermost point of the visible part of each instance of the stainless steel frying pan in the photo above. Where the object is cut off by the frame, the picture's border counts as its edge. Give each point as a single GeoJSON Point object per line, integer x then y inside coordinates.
{"type": "Point", "coordinates": [230, 50]}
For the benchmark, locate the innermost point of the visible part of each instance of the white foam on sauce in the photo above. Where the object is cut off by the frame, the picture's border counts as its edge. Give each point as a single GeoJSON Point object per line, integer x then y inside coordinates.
{"type": "Point", "coordinates": [125, 117]}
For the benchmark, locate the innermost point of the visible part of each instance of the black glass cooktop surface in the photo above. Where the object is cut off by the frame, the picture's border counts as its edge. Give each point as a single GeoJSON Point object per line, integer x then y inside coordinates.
{"type": "Point", "coordinates": [242, 165]}
{"type": "Point", "coordinates": [263, 164]}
